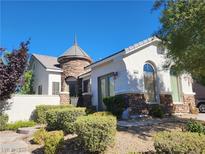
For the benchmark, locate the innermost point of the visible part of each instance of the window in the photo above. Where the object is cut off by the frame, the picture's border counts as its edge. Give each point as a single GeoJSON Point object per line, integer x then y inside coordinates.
{"type": "Point", "coordinates": [86, 86]}
{"type": "Point", "coordinates": [40, 90]}
{"type": "Point", "coordinates": [73, 86]}
{"type": "Point", "coordinates": [149, 83]}
{"type": "Point", "coordinates": [176, 86]}
{"type": "Point", "coordinates": [55, 88]}
{"type": "Point", "coordinates": [105, 88]}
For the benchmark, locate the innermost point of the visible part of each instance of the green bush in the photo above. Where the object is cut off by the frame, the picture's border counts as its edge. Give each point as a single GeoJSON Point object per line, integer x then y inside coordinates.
{"type": "Point", "coordinates": [39, 136]}
{"type": "Point", "coordinates": [179, 142]}
{"type": "Point", "coordinates": [63, 119]}
{"type": "Point", "coordinates": [90, 109]}
{"type": "Point", "coordinates": [195, 126]}
{"type": "Point", "coordinates": [40, 111]}
{"type": "Point", "coordinates": [53, 142]}
{"type": "Point", "coordinates": [3, 121]}
{"type": "Point", "coordinates": [157, 111]}
{"type": "Point", "coordinates": [115, 104]}
{"type": "Point", "coordinates": [104, 113]}
{"type": "Point", "coordinates": [20, 124]}
{"type": "Point", "coordinates": [95, 134]}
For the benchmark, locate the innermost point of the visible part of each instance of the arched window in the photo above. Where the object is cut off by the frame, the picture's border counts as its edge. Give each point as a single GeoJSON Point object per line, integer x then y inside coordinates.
{"type": "Point", "coordinates": [149, 82]}
{"type": "Point", "coordinates": [176, 86]}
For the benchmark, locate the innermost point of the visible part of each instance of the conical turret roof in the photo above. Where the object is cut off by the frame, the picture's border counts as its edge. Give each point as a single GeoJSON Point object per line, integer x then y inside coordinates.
{"type": "Point", "coordinates": [75, 51]}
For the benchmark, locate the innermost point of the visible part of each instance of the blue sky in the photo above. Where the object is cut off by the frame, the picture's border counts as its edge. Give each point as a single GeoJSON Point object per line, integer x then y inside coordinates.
{"type": "Point", "coordinates": [102, 28]}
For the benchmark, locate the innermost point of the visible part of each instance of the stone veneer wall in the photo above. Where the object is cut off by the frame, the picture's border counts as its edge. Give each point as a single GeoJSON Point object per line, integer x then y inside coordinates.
{"type": "Point", "coordinates": [166, 100]}
{"type": "Point", "coordinates": [188, 103]}
{"type": "Point", "coordinates": [138, 105]}
{"type": "Point", "coordinates": [72, 67]}
{"type": "Point", "coordinates": [64, 97]}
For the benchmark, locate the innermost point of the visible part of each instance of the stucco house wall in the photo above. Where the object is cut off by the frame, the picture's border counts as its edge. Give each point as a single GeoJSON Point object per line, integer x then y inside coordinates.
{"type": "Point", "coordinates": [130, 78]}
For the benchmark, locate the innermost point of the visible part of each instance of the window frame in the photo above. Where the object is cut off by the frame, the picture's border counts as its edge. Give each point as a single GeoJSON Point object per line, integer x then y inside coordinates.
{"type": "Point", "coordinates": [155, 88]}
{"type": "Point", "coordinates": [55, 91]}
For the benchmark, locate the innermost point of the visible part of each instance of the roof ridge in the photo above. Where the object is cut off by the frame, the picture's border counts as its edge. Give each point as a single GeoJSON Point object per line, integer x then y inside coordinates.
{"type": "Point", "coordinates": [44, 55]}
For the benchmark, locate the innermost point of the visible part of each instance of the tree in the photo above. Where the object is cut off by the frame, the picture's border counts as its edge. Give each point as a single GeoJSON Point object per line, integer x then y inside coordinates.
{"type": "Point", "coordinates": [27, 83]}
{"type": "Point", "coordinates": [12, 67]}
{"type": "Point", "coordinates": [183, 33]}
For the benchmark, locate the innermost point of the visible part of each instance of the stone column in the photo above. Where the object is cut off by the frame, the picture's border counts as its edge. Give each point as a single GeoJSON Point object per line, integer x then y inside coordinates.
{"type": "Point", "coordinates": [64, 94]}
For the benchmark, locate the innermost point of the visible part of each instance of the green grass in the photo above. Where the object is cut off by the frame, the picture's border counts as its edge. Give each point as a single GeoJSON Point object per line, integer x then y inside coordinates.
{"type": "Point", "coordinates": [19, 124]}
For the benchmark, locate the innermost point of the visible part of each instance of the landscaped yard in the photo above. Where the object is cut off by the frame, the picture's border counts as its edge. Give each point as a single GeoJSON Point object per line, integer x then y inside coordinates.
{"type": "Point", "coordinates": [68, 129]}
{"type": "Point", "coordinates": [134, 136]}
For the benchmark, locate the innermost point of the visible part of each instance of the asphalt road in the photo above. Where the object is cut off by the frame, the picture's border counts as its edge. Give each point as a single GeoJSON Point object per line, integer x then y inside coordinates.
{"type": "Point", "coordinates": [201, 116]}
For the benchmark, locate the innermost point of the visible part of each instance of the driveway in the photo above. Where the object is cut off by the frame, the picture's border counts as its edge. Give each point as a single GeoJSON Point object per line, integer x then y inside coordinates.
{"type": "Point", "coordinates": [201, 116]}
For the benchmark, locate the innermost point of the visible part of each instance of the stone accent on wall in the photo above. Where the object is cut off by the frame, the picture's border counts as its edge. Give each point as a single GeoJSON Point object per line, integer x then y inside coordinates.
{"type": "Point", "coordinates": [64, 98]}
{"type": "Point", "coordinates": [166, 100]}
{"type": "Point", "coordinates": [184, 107]}
{"type": "Point", "coordinates": [72, 68]}
{"type": "Point", "coordinates": [180, 108]}
{"type": "Point", "coordinates": [136, 103]}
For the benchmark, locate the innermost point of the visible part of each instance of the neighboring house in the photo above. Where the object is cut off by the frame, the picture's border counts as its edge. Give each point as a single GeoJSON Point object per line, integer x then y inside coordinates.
{"type": "Point", "coordinates": [135, 72]}
{"type": "Point", "coordinates": [47, 75]}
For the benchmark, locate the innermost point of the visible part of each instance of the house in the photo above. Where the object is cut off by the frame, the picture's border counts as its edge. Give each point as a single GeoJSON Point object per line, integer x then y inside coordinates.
{"type": "Point", "coordinates": [136, 73]}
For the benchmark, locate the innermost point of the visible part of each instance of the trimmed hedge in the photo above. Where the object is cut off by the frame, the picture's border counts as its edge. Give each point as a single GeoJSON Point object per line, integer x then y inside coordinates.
{"type": "Point", "coordinates": [179, 142]}
{"type": "Point", "coordinates": [102, 113]}
{"type": "Point", "coordinates": [40, 111]}
{"type": "Point", "coordinates": [3, 121]}
{"type": "Point", "coordinates": [157, 111]}
{"type": "Point", "coordinates": [39, 136]}
{"type": "Point", "coordinates": [115, 104]}
{"type": "Point", "coordinates": [195, 126]}
{"type": "Point", "coordinates": [63, 119]}
{"type": "Point", "coordinates": [53, 142]}
{"type": "Point", "coordinates": [95, 133]}
{"type": "Point", "coordinates": [20, 124]}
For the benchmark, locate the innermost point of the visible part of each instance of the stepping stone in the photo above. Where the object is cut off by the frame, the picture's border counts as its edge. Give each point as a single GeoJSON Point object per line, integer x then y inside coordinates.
{"type": "Point", "coordinates": [10, 137]}
{"type": "Point", "coordinates": [27, 130]}
{"type": "Point", "coordinates": [18, 146]}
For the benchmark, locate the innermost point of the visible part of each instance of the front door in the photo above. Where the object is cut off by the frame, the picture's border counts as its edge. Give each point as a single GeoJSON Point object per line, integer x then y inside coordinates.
{"type": "Point", "coordinates": [105, 89]}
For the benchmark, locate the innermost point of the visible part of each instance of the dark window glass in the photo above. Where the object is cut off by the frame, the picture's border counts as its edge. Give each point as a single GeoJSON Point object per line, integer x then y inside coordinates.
{"type": "Point", "coordinates": [40, 90]}
{"type": "Point", "coordinates": [86, 85]}
{"type": "Point", "coordinates": [55, 88]}
{"type": "Point", "coordinates": [73, 88]}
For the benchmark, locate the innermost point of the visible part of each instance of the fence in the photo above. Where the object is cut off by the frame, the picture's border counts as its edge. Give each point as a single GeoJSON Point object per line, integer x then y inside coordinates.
{"type": "Point", "coordinates": [23, 106]}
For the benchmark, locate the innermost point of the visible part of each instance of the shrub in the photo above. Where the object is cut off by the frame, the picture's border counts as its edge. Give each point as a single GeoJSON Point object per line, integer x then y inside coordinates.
{"type": "Point", "coordinates": [115, 104]}
{"type": "Point", "coordinates": [90, 109]}
{"type": "Point", "coordinates": [157, 111]}
{"type": "Point", "coordinates": [63, 119]}
{"type": "Point", "coordinates": [95, 134]}
{"type": "Point", "coordinates": [195, 126]}
{"type": "Point", "coordinates": [179, 142]}
{"type": "Point", "coordinates": [40, 111]}
{"type": "Point", "coordinates": [3, 121]}
{"type": "Point", "coordinates": [39, 136]}
{"type": "Point", "coordinates": [20, 124]}
{"type": "Point", "coordinates": [53, 142]}
{"type": "Point", "coordinates": [104, 113]}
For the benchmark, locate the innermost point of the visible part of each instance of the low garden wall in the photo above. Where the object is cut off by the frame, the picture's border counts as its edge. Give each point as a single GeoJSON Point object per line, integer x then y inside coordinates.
{"type": "Point", "coordinates": [23, 106]}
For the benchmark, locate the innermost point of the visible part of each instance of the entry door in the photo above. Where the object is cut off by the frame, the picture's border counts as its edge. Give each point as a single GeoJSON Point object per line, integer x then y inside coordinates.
{"type": "Point", "coordinates": [105, 89]}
